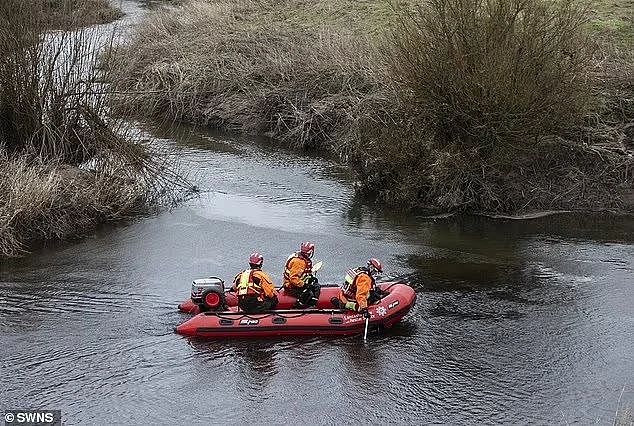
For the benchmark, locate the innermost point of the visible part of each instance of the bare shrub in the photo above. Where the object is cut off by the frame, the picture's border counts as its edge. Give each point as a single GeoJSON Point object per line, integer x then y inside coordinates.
{"type": "Point", "coordinates": [502, 71]}
{"type": "Point", "coordinates": [50, 92]}
{"type": "Point", "coordinates": [496, 99]}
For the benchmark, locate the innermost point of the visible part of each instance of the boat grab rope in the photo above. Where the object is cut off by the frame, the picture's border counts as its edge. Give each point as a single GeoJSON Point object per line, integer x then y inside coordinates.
{"type": "Point", "coordinates": [390, 286]}
{"type": "Point", "coordinates": [259, 316]}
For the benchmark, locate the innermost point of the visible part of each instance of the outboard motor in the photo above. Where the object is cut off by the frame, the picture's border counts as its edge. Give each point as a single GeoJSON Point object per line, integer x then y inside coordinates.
{"type": "Point", "coordinates": [209, 294]}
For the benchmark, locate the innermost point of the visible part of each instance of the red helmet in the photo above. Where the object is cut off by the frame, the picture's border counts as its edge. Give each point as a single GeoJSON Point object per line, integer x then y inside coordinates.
{"type": "Point", "coordinates": [256, 259]}
{"type": "Point", "coordinates": [375, 264]}
{"type": "Point", "coordinates": [307, 249]}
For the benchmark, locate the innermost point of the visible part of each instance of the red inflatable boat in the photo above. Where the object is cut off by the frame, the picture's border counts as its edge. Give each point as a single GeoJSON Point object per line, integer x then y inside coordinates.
{"type": "Point", "coordinates": [396, 302]}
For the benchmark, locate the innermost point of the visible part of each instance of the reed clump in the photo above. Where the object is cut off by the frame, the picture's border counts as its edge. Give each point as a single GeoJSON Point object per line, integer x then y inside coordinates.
{"type": "Point", "coordinates": [65, 166]}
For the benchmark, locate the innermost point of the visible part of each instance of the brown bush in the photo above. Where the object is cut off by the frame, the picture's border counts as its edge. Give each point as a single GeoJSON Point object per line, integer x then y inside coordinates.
{"type": "Point", "coordinates": [498, 112]}
{"type": "Point", "coordinates": [492, 72]}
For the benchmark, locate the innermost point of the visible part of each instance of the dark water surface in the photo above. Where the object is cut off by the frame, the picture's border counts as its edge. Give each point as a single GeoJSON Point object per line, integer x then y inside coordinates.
{"type": "Point", "coordinates": [516, 321]}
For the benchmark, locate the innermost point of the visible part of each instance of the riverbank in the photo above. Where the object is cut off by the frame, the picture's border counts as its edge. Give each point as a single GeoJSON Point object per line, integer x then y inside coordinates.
{"type": "Point", "coordinates": [332, 76]}
{"type": "Point", "coordinates": [65, 165]}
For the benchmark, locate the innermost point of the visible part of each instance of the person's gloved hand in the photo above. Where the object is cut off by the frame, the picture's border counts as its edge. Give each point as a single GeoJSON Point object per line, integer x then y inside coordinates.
{"type": "Point", "coordinates": [365, 312]}
{"type": "Point", "coordinates": [311, 281]}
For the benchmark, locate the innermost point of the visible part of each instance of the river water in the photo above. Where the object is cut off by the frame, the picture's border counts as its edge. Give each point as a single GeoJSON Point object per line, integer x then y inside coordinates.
{"type": "Point", "coordinates": [516, 321]}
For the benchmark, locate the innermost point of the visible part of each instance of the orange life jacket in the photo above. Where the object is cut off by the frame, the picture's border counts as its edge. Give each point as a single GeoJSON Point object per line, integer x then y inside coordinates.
{"type": "Point", "coordinates": [349, 288]}
{"type": "Point", "coordinates": [308, 268]}
{"type": "Point", "coordinates": [249, 285]}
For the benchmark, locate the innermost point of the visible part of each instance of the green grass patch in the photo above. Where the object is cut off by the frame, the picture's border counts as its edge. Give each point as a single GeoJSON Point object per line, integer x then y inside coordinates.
{"type": "Point", "coordinates": [614, 20]}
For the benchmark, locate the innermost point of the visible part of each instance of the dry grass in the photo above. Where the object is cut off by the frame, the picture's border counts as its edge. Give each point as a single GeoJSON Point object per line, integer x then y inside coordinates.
{"type": "Point", "coordinates": [43, 201]}
{"type": "Point", "coordinates": [228, 64]}
{"type": "Point", "coordinates": [64, 165]}
{"type": "Point", "coordinates": [470, 105]}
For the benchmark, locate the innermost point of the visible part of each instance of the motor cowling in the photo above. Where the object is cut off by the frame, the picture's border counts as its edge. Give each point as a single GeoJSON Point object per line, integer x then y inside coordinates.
{"type": "Point", "coordinates": [209, 293]}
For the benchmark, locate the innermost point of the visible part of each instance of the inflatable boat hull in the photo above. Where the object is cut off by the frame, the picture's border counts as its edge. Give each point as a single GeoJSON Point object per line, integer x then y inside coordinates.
{"type": "Point", "coordinates": [233, 324]}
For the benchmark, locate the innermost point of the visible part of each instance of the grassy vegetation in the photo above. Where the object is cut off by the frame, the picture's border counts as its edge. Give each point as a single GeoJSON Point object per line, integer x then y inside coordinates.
{"type": "Point", "coordinates": [469, 105]}
{"type": "Point", "coordinates": [236, 65]}
{"type": "Point", "coordinates": [614, 21]}
{"type": "Point", "coordinates": [75, 13]}
{"type": "Point", "coordinates": [64, 166]}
